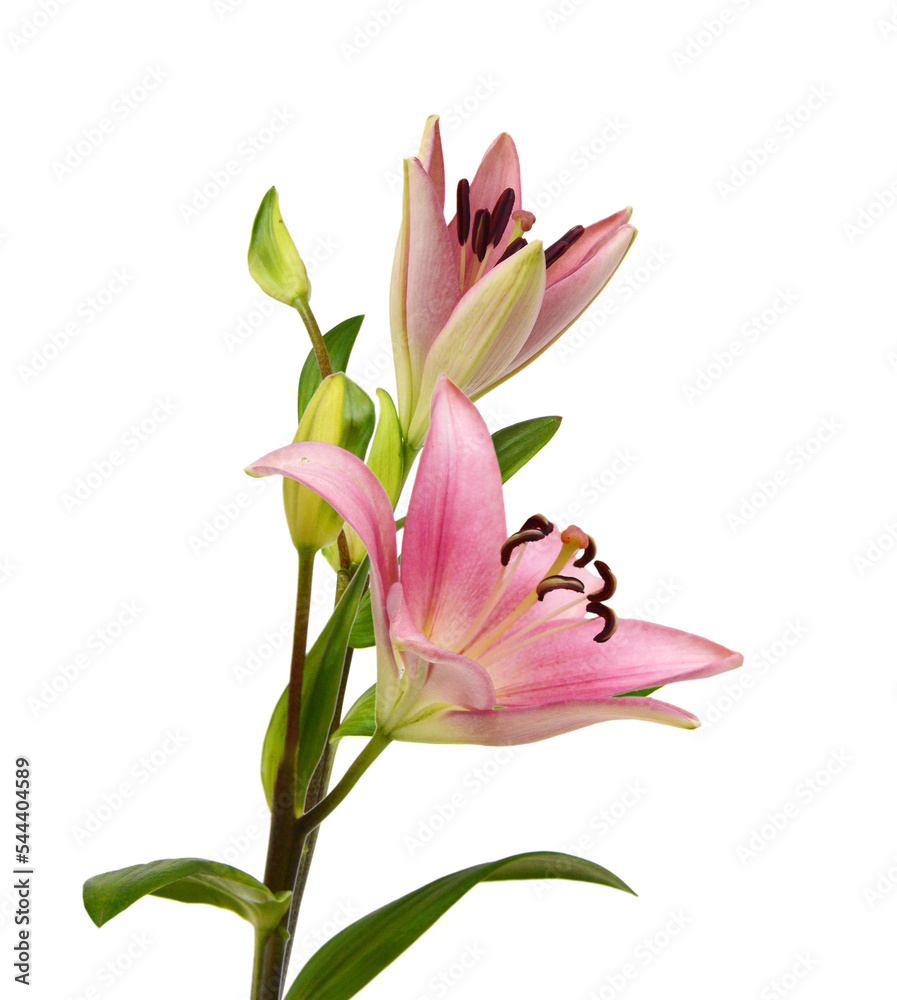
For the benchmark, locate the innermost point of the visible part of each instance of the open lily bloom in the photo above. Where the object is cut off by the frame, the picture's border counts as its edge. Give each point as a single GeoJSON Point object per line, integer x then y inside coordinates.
{"type": "Point", "coordinates": [473, 299]}
{"type": "Point", "coordinates": [484, 637]}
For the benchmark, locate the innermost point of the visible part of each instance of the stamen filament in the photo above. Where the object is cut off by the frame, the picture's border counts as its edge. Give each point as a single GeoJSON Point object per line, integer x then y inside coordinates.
{"type": "Point", "coordinates": [498, 591]}
{"type": "Point", "coordinates": [524, 639]}
{"type": "Point", "coordinates": [563, 557]}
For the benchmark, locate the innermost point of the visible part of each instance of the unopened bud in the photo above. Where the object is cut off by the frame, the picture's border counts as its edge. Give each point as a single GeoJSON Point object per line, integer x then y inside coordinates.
{"type": "Point", "coordinates": [274, 261]}
{"type": "Point", "coordinates": [339, 413]}
{"type": "Point", "coordinates": [386, 461]}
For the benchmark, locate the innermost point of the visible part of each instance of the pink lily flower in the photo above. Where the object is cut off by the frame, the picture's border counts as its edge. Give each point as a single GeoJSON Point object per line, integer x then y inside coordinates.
{"type": "Point", "coordinates": [471, 298]}
{"type": "Point", "coordinates": [485, 637]}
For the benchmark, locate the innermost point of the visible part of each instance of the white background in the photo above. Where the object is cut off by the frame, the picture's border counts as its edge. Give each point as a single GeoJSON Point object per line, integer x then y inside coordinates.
{"type": "Point", "coordinates": [771, 233]}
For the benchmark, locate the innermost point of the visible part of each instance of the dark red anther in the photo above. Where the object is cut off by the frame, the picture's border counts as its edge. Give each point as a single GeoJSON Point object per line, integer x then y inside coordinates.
{"type": "Point", "coordinates": [561, 246]}
{"type": "Point", "coordinates": [609, 581]}
{"type": "Point", "coordinates": [555, 252]}
{"type": "Point", "coordinates": [519, 538]}
{"type": "Point", "coordinates": [501, 213]}
{"type": "Point", "coordinates": [538, 521]}
{"type": "Point", "coordinates": [479, 237]}
{"type": "Point", "coordinates": [607, 616]}
{"type": "Point", "coordinates": [588, 554]}
{"type": "Point", "coordinates": [463, 210]}
{"type": "Point", "coordinates": [572, 235]}
{"type": "Point", "coordinates": [551, 583]}
{"type": "Point", "coordinates": [512, 248]}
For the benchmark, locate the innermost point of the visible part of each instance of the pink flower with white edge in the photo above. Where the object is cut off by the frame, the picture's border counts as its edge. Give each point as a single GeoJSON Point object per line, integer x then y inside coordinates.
{"type": "Point", "coordinates": [473, 299]}
{"type": "Point", "coordinates": [485, 637]}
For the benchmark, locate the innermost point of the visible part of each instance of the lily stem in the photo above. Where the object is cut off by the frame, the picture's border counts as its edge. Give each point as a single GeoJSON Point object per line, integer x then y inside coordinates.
{"type": "Point", "coordinates": [317, 339]}
{"type": "Point", "coordinates": [320, 779]}
{"type": "Point", "coordinates": [286, 842]}
{"type": "Point", "coordinates": [279, 868]}
{"type": "Point", "coordinates": [315, 816]}
{"type": "Point", "coordinates": [270, 964]}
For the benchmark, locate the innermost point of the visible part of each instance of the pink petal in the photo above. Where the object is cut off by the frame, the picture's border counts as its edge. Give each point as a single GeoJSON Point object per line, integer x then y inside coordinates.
{"type": "Point", "coordinates": [424, 287]}
{"type": "Point", "coordinates": [498, 170]}
{"type": "Point", "coordinates": [355, 493]}
{"type": "Point", "coordinates": [512, 726]}
{"type": "Point", "coordinates": [587, 245]}
{"type": "Point", "coordinates": [430, 156]}
{"type": "Point", "coordinates": [527, 566]}
{"type": "Point", "coordinates": [566, 300]}
{"type": "Point", "coordinates": [486, 330]}
{"type": "Point", "coordinates": [452, 679]}
{"type": "Point", "coordinates": [455, 524]}
{"type": "Point", "coordinates": [569, 664]}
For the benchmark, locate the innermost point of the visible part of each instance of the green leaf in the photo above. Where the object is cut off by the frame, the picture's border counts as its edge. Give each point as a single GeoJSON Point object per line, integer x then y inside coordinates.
{"type": "Point", "coordinates": [320, 688]}
{"type": "Point", "coordinates": [188, 880]}
{"type": "Point", "coordinates": [339, 342]}
{"type": "Point", "coordinates": [642, 693]}
{"type": "Point", "coordinates": [517, 444]}
{"type": "Point", "coordinates": [362, 634]}
{"type": "Point", "coordinates": [352, 958]}
{"type": "Point", "coordinates": [361, 719]}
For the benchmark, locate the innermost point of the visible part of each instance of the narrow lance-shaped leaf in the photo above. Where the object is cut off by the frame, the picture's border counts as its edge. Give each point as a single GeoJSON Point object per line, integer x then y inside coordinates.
{"type": "Point", "coordinates": [361, 719]}
{"type": "Point", "coordinates": [187, 880]}
{"type": "Point", "coordinates": [320, 687]}
{"type": "Point", "coordinates": [641, 693]}
{"type": "Point", "coordinates": [362, 634]}
{"type": "Point", "coordinates": [517, 444]}
{"type": "Point", "coordinates": [339, 343]}
{"type": "Point", "coordinates": [514, 447]}
{"type": "Point", "coordinates": [352, 958]}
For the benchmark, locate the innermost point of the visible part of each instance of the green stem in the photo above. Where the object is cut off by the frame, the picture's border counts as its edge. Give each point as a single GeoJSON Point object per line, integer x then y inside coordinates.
{"type": "Point", "coordinates": [344, 574]}
{"type": "Point", "coordinates": [257, 963]}
{"type": "Point", "coordinates": [314, 817]}
{"type": "Point", "coordinates": [280, 871]}
{"type": "Point", "coordinates": [272, 951]}
{"type": "Point", "coordinates": [266, 966]}
{"type": "Point", "coordinates": [283, 813]}
{"type": "Point", "coordinates": [320, 779]}
{"type": "Point", "coordinates": [317, 789]}
{"type": "Point", "coordinates": [317, 338]}
{"type": "Point", "coordinates": [273, 954]}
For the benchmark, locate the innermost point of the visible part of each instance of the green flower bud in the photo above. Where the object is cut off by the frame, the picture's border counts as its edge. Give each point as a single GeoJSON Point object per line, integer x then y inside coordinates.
{"type": "Point", "coordinates": [386, 461]}
{"type": "Point", "coordinates": [339, 413]}
{"type": "Point", "coordinates": [274, 261]}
